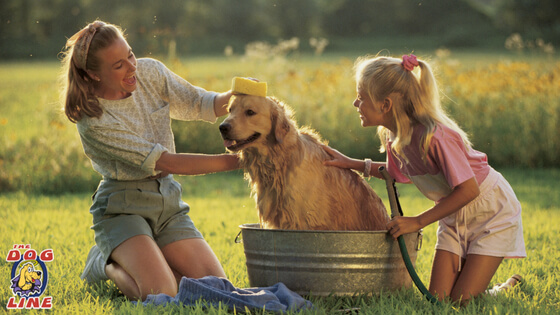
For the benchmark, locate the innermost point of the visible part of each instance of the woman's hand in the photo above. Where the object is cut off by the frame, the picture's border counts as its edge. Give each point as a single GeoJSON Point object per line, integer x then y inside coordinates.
{"type": "Point", "coordinates": [221, 103]}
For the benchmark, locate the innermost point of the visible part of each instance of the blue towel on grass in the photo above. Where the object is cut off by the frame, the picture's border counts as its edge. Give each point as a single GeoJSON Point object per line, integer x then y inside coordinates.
{"type": "Point", "coordinates": [216, 291]}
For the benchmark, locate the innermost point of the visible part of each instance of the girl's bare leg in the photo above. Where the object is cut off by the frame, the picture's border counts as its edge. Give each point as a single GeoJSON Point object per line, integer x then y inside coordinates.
{"type": "Point", "coordinates": [475, 276]}
{"type": "Point", "coordinates": [444, 273]}
{"type": "Point", "coordinates": [473, 279]}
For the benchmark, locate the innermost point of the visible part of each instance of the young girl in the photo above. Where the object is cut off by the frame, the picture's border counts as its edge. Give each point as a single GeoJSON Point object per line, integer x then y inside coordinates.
{"type": "Point", "coordinates": [145, 241]}
{"type": "Point", "coordinates": [479, 215]}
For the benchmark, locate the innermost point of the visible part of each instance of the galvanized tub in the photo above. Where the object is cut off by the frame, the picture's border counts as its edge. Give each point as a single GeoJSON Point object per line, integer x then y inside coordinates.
{"type": "Point", "coordinates": [321, 263]}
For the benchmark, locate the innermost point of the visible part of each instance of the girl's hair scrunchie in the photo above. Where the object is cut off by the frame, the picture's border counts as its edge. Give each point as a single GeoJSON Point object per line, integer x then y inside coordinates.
{"type": "Point", "coordinates": [409, 62]}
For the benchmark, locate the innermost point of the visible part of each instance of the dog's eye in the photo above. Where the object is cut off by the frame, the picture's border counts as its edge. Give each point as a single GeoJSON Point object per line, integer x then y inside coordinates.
{"type": "Point", "coordinates": [250, 112]}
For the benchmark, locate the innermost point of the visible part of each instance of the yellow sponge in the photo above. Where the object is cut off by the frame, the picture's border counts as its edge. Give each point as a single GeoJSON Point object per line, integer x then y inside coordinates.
{"type": "Point", "coordinates": [247, 86]}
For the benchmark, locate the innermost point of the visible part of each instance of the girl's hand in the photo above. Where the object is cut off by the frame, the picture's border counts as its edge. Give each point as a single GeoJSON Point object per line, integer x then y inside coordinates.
{"type": "Point", "coordinates": [338, 159]}
{"type": "Point", "coordinates": [403, 225]}
{"type": "Point", "coordinates": [342, 161]}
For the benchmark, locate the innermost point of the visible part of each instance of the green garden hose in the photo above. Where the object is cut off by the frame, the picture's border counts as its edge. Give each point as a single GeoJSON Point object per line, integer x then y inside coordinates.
{"type": "Point", "coordinates": [396, 210]}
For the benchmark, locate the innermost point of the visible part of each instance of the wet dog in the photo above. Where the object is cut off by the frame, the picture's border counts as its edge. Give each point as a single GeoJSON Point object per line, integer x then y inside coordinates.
{"type": "Point", "coordinates": [284, 165]}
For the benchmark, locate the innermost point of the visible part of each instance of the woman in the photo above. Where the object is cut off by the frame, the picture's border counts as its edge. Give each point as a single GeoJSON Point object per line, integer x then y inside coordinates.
{"type": "Point", "coordinates": [145, 241]}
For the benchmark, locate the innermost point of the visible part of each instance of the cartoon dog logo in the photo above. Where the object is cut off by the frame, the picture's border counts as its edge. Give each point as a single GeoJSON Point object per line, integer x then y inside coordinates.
{"type": "Point", "coordinates": [28, 281]}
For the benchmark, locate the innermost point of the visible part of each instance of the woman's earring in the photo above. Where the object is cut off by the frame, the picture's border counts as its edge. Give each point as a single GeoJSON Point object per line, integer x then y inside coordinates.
{"type": "Point", "coordinates": [93, 77]}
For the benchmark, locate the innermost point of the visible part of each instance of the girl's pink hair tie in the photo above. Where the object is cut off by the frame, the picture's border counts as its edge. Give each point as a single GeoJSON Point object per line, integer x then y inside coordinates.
{"type": "Point", "coordinates": [409, 62]}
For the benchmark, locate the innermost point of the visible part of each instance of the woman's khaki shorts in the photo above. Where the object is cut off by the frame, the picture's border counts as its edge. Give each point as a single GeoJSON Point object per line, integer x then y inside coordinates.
{"type": "Point", "coordinates": [123, 209]}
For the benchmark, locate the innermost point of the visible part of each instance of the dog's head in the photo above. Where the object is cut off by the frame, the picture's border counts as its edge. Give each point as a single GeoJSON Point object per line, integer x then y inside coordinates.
{"type": "Point", "coordinates": [29, 273]}
{"type": "Point", "coordinates": [253, 121]}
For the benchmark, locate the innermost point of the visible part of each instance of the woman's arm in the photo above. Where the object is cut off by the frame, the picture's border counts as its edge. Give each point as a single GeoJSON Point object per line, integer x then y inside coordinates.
{"type": "Point", "coordinates": [196, 164]}
{"type": "Point", "coordinates": [461, 195]}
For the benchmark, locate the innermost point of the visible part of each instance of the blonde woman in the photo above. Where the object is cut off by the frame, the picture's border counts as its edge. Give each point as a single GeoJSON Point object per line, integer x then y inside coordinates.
{"type": "Point", "coordinates": [122, 106]}
{"type": "Point", "coordinates": [479, 215]}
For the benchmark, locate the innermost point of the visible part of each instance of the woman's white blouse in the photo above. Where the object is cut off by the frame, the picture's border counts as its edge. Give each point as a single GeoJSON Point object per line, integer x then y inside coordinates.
{"type": "Point", "coordinates": [131, 135]}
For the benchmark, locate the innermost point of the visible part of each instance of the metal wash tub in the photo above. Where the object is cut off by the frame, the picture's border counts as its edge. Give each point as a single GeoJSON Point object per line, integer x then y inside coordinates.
{"type": "Point", "coordinates": [321, 263]}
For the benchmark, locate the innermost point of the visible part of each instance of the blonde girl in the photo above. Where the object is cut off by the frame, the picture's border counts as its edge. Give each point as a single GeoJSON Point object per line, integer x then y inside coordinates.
{"type": "Point", "coordinates": [123, 106]}
{"type": "Point", "coordinates": [478, 213]}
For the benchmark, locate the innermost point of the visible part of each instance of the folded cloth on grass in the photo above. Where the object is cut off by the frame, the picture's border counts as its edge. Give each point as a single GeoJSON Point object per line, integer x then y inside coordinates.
{"type": "Point", "coordinates": [216, 291]}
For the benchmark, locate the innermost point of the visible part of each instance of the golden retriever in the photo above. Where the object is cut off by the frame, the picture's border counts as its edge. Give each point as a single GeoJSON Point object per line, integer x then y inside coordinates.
{"type": "Point", "coordinates": [284, 165]}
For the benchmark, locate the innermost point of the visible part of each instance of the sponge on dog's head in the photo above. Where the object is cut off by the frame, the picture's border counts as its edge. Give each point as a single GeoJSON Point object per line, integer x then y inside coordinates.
{"type": "Point", "coordinates": [249, 87]}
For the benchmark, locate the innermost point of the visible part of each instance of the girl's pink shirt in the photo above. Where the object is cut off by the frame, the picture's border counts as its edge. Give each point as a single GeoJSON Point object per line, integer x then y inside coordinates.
{"type": "Point", "coordinates": [448, 163]}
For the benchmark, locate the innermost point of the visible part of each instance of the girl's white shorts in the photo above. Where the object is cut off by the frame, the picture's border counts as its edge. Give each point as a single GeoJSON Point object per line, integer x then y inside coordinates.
{"type": "Point", "coordinates": [489, 225]}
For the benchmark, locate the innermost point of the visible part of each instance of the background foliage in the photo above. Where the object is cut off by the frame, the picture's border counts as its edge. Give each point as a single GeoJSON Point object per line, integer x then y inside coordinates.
{"type": "Point", "coordinates": [508, 103]}
{"type": "Point", "coordinates": [33, 29]}
{"type": "Point", "coordinates": [506, 99]}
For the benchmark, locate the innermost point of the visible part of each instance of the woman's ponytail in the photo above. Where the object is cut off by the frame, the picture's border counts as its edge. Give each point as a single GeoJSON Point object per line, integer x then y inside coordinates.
{"type": "Point", "coordinates": [79, 56]}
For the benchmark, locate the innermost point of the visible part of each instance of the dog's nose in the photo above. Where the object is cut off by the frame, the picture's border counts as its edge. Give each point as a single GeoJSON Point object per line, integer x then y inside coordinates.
{"type": "Point", "coordinates": [225, 128]}
{"type": "Point", "coordinates": [38, 273]}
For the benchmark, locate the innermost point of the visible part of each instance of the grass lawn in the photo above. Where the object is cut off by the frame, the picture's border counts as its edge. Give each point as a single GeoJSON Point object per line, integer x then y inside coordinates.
{"type": "Point", "coordinates": [221, 202]}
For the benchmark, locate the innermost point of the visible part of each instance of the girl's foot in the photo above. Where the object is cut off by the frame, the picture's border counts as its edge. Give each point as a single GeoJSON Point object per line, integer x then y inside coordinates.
{"type": "Point", "coordinates": [510, 283]}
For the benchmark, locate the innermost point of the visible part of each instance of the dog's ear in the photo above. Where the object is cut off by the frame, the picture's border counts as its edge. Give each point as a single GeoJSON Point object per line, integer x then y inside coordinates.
{"type": "Point", "coordinates": [280, 123]}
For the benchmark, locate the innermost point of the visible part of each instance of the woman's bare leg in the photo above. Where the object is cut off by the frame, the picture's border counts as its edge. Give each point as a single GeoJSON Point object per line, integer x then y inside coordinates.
{"type": "Point", "coordinates": [139, 268]}
{"type": "Point", "coordinates": [193, 258]}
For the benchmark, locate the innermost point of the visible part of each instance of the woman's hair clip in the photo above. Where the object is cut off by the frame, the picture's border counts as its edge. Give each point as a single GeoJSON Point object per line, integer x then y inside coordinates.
{"type": "Point", "coordinates": [409, 62]}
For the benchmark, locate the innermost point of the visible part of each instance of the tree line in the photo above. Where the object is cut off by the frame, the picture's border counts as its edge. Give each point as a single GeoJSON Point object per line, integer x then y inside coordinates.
{"type": "Point", "coordinates": [39, 27]}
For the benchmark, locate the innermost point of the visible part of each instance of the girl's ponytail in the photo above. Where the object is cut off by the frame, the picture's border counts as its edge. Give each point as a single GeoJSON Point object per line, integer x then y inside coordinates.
{"type": "Point", "coordinates": [416, 98]}
{"type": "Point", "coordinates": [433, 112]}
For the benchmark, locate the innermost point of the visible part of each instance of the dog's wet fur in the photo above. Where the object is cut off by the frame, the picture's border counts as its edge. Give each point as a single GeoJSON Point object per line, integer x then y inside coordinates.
{"type": "Point", "coordinates": [284, 165]}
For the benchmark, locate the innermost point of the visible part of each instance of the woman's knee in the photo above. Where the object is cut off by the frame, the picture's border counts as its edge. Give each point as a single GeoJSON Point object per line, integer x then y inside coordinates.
{"type": "Point", "coordinates": [139, 287]}
{"type": "Point", "coordinates": [156, 279]}
{"type": "Point", "coordinates": [140, 267]}
{"type": "Point", "coordinates": [193, 258]}
{"type": "Point", "coordinates": [169, 287]}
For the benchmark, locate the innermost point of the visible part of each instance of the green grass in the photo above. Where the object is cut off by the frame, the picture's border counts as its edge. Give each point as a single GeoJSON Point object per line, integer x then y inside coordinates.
{"type": "Point", "coordinates": [221, 202]}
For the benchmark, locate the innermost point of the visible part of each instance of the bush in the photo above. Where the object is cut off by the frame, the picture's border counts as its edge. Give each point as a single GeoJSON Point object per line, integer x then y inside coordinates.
{"type": "Point", "coordinates": [510, 108]}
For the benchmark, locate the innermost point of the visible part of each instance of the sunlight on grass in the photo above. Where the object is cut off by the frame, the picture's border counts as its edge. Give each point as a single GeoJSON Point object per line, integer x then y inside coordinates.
{"type": "Point", "coordinates": [221, 202]}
